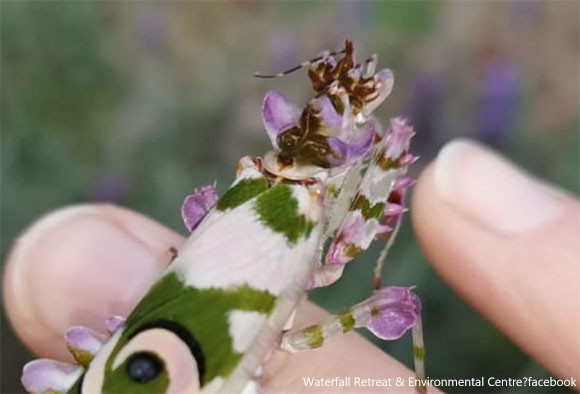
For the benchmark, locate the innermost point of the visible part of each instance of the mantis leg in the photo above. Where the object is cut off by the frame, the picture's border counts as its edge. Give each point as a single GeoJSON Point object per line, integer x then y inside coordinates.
{"type": "Point", "coordinates": [419, 355]}
{"type": "Point", "coordinates": [389, 313]}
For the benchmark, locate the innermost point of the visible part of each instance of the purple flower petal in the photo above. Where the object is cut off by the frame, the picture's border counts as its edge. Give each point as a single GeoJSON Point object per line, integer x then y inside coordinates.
{"type": "Point", "coordinates": [394, 209]}
{"type": "Point", "coordinates": [353, 229]}
{"type": "Point", "coordinates": [403, 183]}
{"type": "Point", "coordinates": [360, 147]}
{"type": "Point", "coordinates": [398, 138]}
{"type": "Point", "coordinates": [392, 323]}
{"type": "Point", "coordinates": [197, 205]}
{"type": "Point", "coordinates": [383, 230]}
{"type": "Point", "coordinates": [113, 323]}
{"type": "Point", "coordinates": [348, 151]}
{"type": "Point", "coordinates": [330, 118]}
{"type": "Point", "coordinates": [398, 310]}
{"type": "Point", "coordinates": [339, 151]}
{"type": "Point", "coordinates": [336, 255]}
{"type": "Point", "coordinates": [352, 236]}
{"type": "Point", "coordinates": [408, 159]}
{"type": "Point", "coordinates": [42, 375]}
{"type": "Point", "coordinates": [278, 114]}
{"type": "Point", "coordinates": [83, 343]}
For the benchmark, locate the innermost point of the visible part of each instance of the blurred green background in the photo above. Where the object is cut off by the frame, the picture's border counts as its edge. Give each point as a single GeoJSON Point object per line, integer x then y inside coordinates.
{"type": "Point", "coordinates": [137, 103]}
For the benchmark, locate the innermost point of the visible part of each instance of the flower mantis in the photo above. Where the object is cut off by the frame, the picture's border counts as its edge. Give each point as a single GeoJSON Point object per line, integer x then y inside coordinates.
{"type": "Point", "coordinates": [332, 184]}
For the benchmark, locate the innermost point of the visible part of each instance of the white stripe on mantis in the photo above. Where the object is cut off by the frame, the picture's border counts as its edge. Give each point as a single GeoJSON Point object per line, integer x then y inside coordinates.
{"type": "Point", "coordinates": [213, 386]}
{"type": "Point", "coordinates": [308, 206]}
{"type": "Point", "coordinates": [377, 184]}
{"type": "Point", "coordinates": [268, 336]}
{"type": "Point", "coordinates": [243, 326]}
{"type": "Point", "coordinates": [216, 386]}
{"type": "Point", "coordinates": [252, 387]}
{"type": "Point", "coordinates": [237, 249]}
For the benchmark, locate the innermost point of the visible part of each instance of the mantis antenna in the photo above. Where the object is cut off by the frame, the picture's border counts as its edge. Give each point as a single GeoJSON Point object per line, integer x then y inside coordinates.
{"type": "Point", "coordinates": [307, 63]}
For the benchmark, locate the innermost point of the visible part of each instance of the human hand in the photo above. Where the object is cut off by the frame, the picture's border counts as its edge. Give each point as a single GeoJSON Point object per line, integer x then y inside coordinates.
{"type": "Point", "coordinates": [509, 246]}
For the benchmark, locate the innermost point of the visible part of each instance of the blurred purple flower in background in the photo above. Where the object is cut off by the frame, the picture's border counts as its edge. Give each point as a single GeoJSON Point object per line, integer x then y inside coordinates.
{"type": "Point", "coordinates": [527, 13]}
{"type": "Point", "coordinates": [422, 108]}
{"type": "Point", "coordinates": [355, 16]}
{"type": "Point", "coordinates": [496, 107]}
{"type": "Point", "coordinates": [150, 28]}
{"type": "Point", "coordinates": [110, 187]}
{"type": "Point", "coordinates": [283, 51]}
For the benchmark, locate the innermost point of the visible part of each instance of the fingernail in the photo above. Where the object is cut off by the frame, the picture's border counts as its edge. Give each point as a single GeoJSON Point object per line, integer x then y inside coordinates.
{"type": "Point", "coordinates": [489, 190]}
{"type": "Point", "coordinates": [76, 267]}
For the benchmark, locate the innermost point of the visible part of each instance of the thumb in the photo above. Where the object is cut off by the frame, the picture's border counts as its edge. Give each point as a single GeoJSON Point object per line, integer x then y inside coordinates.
{"type": "Point", "coordinates": [509, 244]}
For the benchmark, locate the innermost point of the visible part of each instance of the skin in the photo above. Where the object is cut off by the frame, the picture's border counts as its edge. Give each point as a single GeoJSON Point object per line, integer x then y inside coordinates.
{"type": "Point", "coordinates": [93, 261]}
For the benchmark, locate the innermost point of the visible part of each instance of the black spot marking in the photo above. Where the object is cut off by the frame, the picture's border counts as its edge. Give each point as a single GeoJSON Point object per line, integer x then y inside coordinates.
{"type": "Point", "coordinates": [183, 334]}
{"type": "Point", "coordinates": [143, 367]}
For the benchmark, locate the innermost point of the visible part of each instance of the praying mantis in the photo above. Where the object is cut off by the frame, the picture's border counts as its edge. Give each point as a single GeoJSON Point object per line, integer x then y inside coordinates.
{"type": "Point", "coordinates": [292, 219]}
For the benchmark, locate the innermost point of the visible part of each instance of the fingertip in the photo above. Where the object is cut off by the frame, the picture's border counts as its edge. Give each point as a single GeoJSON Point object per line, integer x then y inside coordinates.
{"type": "Point", "coordinates": [78, 266]}
{"type": "Point", "coordinates": [506, 242]}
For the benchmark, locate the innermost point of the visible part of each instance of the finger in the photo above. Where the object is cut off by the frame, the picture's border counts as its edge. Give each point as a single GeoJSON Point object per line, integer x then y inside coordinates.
{"type": "Point", "coordinates": [509, 245]}
{"type": "Point", "coordinates": [78, 266]}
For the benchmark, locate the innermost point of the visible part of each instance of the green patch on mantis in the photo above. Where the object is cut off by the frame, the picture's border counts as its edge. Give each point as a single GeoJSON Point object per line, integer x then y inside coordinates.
{"type": "Point", "coordinates": [203, 312]}
{"type": "Point", "coordinates": [332, 190]}
{"type": "Point", "coordinates": [368, 211]}
{"type": "Point", "coordinates": [351, 250]}
{"type": "Point", "coordinates": [313, 335]}
{"type": "Point", "coordinates": [386, 163]}
{"type": "Point", "coordinates": [418, 353]}
{"type": "Point", "coordinates": [278, 209]}
{"type": "Point", "coordinates": [241, 192]}
{"type": "Point", "coordinates": [346, 320]}
{"type": "Point", "coordinates": [82, 356]}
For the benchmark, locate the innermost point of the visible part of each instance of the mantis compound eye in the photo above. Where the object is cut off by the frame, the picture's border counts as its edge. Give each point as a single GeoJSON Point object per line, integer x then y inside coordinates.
{"type": "Point", "coordinates": [143, 367]}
